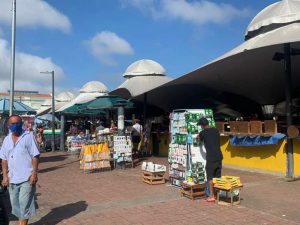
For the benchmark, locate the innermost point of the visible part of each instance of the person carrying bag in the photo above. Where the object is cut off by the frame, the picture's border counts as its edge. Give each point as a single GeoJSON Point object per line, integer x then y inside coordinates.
{"type": "Point", "coordinates": [136, 137]}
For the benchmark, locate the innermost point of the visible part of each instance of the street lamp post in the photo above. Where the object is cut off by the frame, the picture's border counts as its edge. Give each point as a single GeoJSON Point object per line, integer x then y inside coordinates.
{"type": "Point", "coordinates": [53, 110]}
{"type": "Point", "coordinates": [12, 68]}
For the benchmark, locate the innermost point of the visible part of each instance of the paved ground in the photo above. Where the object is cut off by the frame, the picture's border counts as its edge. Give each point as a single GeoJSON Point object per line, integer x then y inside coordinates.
{"type": "Point", "coordinates": [67, 196]}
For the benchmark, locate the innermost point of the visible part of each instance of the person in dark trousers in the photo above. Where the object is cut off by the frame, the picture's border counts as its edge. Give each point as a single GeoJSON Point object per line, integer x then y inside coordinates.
{"type": "Point", "coordinates": [210, 136]}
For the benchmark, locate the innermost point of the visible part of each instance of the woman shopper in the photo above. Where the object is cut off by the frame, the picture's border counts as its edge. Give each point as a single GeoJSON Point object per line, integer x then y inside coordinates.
{"type": "Point", "coordinates": [136, 136]}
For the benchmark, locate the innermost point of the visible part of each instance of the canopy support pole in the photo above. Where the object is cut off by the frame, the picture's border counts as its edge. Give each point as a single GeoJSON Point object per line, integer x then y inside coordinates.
{"type": "Point", "coordinates": [288, 100]}
{"type": "Point", "coordinates": [62, 134]}
{"type": "Point", "coordinates": [120, 120]}
{"type": "Point", "coordinates": [145, 107]}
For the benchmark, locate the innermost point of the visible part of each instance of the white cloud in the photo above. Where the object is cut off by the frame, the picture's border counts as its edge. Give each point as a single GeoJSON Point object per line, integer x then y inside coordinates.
{"type": "Point", "coordinates": [105, 45]}
{"type": "Point", "coordinates": [34, 13]}
{"type": "Point", "coordinates": [197, 12]}
{"type": "Point", "coordinates": [27, 70]}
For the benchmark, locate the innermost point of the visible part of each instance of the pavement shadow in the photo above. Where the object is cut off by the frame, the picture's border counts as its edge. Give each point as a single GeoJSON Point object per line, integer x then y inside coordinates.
{"type": "Point", "coordinates": [52, 158]}
{"type": "Point", "coordinates": [56, 167]}
{"type": "Point", "coordinates": [62, 213]}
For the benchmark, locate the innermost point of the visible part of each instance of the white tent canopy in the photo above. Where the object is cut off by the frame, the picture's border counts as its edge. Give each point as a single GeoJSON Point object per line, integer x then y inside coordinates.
{"type": "Point", "coordinates": [65, 96]}
{"type": "Point", "coordinates": [60, 100]}
{"type": "Point", "coordinates": [274, 16]}
{"type": "Point", "coordinates": [88, 92]}
{"type": "Point", "coordinates": [144, 67]}
{"type": "Point", "coordinates": [94, 87]}
{"type": "Point", "coordinates": [248, 70]}
{"type": "Point", "coordinates": [142, 76]}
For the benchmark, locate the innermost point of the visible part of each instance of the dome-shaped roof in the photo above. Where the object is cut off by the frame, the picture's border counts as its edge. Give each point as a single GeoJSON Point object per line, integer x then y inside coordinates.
{"type": "Point", "coordinates": [275, 15]}
{"type": "Point", "coordinates": [65, 96]}
{"type": "Point", "coordinates": [94, 87]}
{"type": "Point", "coordinates": [144, 67]}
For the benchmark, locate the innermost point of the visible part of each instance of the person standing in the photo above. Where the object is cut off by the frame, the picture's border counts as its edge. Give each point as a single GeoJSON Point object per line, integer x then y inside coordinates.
{"type": "Point", "coordinates": [20, 155]}
{"type": "Point", "coordinates": [40, 138]}
{"type": "Point", "coordinates": [210, 136]}
{"type": "Point", "coordinates": [146, 136]}
{"type": "Point", "coordinates": [100, 127]}
{"type": "Point", "coordinates": [136, 136]}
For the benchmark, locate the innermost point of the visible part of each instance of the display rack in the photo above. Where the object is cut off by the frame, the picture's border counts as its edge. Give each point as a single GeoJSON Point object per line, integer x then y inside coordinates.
{"type": "Point", "coordinates": [95, 157]}
{"type": "Point", "coordinates": [122, 151]}
{"type": "Point", "coordinates": [186, 155]}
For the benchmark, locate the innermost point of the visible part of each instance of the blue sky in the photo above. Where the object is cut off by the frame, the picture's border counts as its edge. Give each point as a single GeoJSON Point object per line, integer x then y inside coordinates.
{"type": "Point", "coordinates": [97, 40]}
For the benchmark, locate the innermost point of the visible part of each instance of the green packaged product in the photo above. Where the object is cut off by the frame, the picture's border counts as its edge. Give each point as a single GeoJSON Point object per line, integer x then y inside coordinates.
{"type": "Point", "coordinates": [197, 117]}
{"type": "Point", "coordinates": [208, 112]}
{"type": "Point", "coordinates": [183, 140]}
{"type": "Point", "coordinates": [188, 117]}
{"type": "Point", "coordinates": [189, 128]}
{"type": "Point", "coordinates": [177, 138]}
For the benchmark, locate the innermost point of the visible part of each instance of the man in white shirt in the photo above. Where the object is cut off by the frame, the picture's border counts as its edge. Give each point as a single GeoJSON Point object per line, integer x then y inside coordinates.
{"type": "Point", "coordinates": [19, 154]}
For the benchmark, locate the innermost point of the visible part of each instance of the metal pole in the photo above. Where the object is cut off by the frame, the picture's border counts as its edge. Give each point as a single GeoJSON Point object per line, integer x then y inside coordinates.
{"type": "Point", "coordinates": [62, 134]}
{"type": "Point", "coordinates": [53, 114]}
{"type": "Point", "coordinates": [288, 100]}
{"type": "Point", "coordinates": [145, 107]}
{"type": "Point", "coordinates": [12, 68]}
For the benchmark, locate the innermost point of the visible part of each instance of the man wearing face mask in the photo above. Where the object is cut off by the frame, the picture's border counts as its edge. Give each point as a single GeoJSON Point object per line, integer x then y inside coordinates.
{"type": "Point", "coordinates": [20, 154]}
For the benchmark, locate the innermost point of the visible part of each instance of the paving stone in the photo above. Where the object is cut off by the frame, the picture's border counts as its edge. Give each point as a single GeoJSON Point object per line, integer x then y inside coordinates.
{"type": "Point", "coordinates": [69, 196]}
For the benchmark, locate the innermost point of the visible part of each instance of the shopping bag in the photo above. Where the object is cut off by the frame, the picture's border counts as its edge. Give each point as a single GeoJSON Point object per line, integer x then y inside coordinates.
{"type": "Point", "coordinates": [140, 144]}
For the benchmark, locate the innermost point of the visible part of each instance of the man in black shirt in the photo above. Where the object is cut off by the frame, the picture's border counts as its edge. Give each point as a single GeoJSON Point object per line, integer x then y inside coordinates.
{"type": "Point", "coordinates": [211, 139]}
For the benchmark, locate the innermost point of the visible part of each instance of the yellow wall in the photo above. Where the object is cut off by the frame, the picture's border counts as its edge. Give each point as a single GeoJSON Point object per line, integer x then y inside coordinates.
{"type": "Point", "coordinates": [163, 145]}
{"type": "Point", "coordinates": [269, 157]}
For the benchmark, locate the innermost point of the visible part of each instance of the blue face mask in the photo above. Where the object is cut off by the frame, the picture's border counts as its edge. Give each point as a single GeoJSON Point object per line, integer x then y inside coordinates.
{"type": "Point", "coordinates": [16, 128]}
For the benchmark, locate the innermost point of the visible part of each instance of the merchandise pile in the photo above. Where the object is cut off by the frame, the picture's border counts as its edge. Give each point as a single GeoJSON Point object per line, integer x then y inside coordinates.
{"type": "Point", "coordinates": [95, 157]}
{"type": "Point", "coordinates": [152, 167]}
{"type": "Point", "coordinates": [227, 182]}
{"type": "Point", "coordinates": [197, 173]}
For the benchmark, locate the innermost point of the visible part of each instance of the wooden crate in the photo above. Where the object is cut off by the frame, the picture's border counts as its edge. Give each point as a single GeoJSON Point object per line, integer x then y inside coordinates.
{"type": "Point", "coordinates": [270, 127]}
{"type": "Point", "coordinates": [229, 200]}
{"type": "Point", "coordinates": [153, 177]}
{"type": "Point", "coordinates": [233, 126]}
{"type": "Point", "coordinates": [243, 127]}
{"type": "Point", "coordinates": [221, 127]}
{"type": "Point", "coordinates": [192, 191]}
{"type": "Point", "coordinates": [255, 127]}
